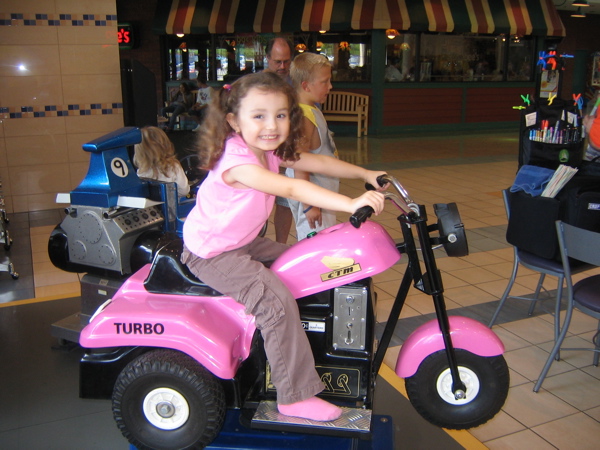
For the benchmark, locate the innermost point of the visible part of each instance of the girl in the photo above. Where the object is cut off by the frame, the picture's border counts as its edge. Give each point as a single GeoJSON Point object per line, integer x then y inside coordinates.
{"type": "Point", "coordinates": [181, 101]}
{"type": "Point", "coordinates": [155, 159]}
{"type": "Point", "coordinates": [252, 128]}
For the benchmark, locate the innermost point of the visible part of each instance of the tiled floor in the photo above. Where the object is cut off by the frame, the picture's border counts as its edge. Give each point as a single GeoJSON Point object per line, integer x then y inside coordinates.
{"type": "Point", "coordinates": [470, 170]}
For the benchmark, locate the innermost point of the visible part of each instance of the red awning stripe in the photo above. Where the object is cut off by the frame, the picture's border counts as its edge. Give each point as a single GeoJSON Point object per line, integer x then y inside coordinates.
{"type": "Point", "coordinates": [553, 22]}
{"type": "Point", "coordinates": [480, 16]}
{"type": "Point", "coordinates": [518, 16]}
{"type": "Point", "coordinates": [399, 17]}
{"type": "Point", "coordinates": [438, 13]}
{"type": "Point", "coordinates": [177, 17]}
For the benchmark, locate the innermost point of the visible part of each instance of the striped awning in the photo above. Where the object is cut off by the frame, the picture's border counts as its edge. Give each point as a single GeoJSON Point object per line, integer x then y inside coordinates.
{"type": "Point", "coordinates": [522, 17]}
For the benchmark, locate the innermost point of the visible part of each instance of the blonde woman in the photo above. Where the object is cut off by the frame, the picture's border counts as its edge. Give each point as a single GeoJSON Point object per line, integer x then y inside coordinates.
{"type": "Point", "coordinates": [155, 159]}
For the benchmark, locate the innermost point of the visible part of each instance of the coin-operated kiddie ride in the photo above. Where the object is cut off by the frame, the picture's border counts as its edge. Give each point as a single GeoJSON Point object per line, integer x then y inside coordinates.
{"type": "Point", "coordinates": [113, 224]}
{"type": "Point", "coordinates": [185, 366]}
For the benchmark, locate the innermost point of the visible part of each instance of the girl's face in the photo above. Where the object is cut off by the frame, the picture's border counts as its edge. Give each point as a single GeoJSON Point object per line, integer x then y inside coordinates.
{"type": "Point", "coordinates": [263, 120]}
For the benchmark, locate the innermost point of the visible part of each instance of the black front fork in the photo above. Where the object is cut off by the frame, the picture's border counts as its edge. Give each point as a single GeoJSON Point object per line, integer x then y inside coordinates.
{"type": "Point", "coordinates": [430, 283]}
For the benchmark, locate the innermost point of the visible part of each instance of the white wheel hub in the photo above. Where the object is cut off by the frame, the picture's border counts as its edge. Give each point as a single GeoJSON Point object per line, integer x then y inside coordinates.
{"type": "Point", "coordinates": [166, 408]}
{"type": "Point", "coordinates": [467, 376]}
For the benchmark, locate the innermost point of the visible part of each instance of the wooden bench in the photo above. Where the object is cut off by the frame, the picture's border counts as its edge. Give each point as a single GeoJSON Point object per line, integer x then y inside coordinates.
{"type": "Point", "coordinates": [347, 107]}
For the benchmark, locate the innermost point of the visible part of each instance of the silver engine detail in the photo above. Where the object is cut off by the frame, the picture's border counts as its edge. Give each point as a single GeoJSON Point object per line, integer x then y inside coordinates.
{"type": "Point", "coordinates": [104, 237]}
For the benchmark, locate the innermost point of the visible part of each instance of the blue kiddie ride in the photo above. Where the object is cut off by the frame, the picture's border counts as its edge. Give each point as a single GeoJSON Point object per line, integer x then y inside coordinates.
{"type": "Point", "coordinates": [114, 223]}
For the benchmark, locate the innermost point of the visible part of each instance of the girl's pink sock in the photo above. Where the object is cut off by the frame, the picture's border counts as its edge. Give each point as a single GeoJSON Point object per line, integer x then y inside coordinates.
{"type": "Point", "coordinates": [312, 408]}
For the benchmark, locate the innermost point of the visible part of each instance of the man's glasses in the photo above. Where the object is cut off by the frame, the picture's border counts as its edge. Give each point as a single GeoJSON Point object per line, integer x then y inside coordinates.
{"type": "Point", "coordinates": [281, 62]}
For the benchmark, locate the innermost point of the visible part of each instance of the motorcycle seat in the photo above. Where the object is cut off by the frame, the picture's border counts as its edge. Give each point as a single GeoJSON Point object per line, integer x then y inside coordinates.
{"type": "Point", "coordinates": [168, 275]}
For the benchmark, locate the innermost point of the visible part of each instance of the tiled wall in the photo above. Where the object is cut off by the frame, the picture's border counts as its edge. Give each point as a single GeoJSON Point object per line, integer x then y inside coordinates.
{"type": "Point", "coordinates": [60, 87]}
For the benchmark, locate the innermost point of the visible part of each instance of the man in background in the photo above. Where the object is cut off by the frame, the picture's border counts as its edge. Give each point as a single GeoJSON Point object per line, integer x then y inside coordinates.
{"type": "Point", "coordinates": [279, 53]}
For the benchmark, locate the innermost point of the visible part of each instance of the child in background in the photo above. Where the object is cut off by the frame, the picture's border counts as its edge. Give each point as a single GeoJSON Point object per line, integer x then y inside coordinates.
{"type": "Point", "coordinates": [311, 77]}
{"type": "Point", "coordinates": [155, 159]}
{"type": "Point", "coordinates": [181, 101]}
{"type": "Point", "coordinates": [252, 128]}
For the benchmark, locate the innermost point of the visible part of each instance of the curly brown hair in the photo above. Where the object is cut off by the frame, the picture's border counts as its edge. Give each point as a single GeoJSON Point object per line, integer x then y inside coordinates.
{"type": "Point", "coordinates": [216, 129]}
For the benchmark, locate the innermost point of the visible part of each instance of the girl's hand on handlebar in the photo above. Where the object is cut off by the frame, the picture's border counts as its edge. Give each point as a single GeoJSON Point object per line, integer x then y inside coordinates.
{"type": "Point", "coordinates": [373, 199]}
{"type": "Point", "coordinates": [371, 178]}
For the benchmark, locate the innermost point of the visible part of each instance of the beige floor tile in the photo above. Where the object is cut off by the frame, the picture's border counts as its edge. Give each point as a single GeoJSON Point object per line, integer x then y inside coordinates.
{"type": "Point", "coordinates": [577, 431]}
{"type": "Point", "coordinates": [67, 289]}
{"type": "Point", "coordinates": [45, 230]}
{"type": "Point", "coordinates": [532, 409]}
{"type": "Point", "coordinates": [576, 388]}
{"type": "Point", "coordinates": [391, 356]}
{"type": "Point", "coordinates": [529, 361]}
{"type": "Point", "coordinates": [468, 295]}
{"type": "Point", "coordinates": [593, 371]}
{"type": "Point", "coordinates": [475, 275]}
{"type": "Point", "coordinates": [532, 329]}
{"type": "Point", "coordinates": [511, 341]}
{"type": "Point", "coordinates": [450, 264]}
{"type": "Point", "coordinates": [516, 379]}
{"type": "Point", "coordinates": [501, 425]}
{"type": "Point", "coordinates": [53, 278]}
{"type": "Point", "coordinates": [525, 439]}
{"type": "Point", "coordinates": [594, 413]}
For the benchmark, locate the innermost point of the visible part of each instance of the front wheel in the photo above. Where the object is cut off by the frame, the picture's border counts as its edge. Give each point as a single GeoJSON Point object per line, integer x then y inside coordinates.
{"type": "Point", "coordinates": [486, 380]}
{"type": "Point", "coordinates": [165, 399]}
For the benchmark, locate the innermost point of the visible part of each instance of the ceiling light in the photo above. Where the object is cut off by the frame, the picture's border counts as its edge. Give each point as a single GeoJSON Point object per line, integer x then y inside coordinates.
{"type": "Point", "coordinates": [578, 13]}
{"type": "Point", "coordinates": [580, 3]}
{"type": "Point", "coordinates": [180, 35]}
{"type": "Point", "coordinates": [391, 33]}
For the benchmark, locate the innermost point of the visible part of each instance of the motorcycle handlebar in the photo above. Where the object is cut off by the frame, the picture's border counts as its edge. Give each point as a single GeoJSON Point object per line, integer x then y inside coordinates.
{"type": "Point", "coordinates": [403, 202]}
{"type": "Point", "coordinates": [360, 216]}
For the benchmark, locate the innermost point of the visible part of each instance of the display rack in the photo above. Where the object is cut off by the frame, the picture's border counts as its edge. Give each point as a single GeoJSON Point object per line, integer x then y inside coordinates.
{"type": "Point", "coordinates": [6, 264]}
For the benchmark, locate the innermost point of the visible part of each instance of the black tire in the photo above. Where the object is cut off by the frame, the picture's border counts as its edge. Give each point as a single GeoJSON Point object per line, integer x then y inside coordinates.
{"type": "Point", "coordinates": [429, 389]}
{"type": "Point", "coordinates": [192, 397]}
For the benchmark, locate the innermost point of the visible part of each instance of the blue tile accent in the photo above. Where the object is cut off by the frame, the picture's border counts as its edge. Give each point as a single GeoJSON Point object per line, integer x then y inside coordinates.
{"type": "Point", "coordinates": [26, 108]}
{"type": "Point", "coordinates": [65, 17]}
{"type": "Point", "coordinates": [39, 114]}
{"type": "Point", "coordinates": [54, 23]}
{"type": "Point", "coordinates": [96, 106]}
{"type": "Point", "coordinates": [73, 107]}
{"type": "Point", "coordinates": [50, 107]}
{"type": "Point", "coordinates": [62, 113]}
{"type": "Point", "coordinates": [30, 22]}
{"type": "Point", "coordinates": [100, 23]}
{"type": "Point", "coordinates": [41, 16]}
{"type": "Point", "coordinates": [16, 16]}
{"type": "Point", "coordinates": [77, 23]}
{"type": "Point", "coordinates": [15, 115]}
{"type": "Point", "coordinates": [4, 110]}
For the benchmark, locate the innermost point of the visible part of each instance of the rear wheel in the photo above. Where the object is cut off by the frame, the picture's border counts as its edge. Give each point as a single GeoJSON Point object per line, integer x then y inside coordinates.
{"type": "Point", "coordinates": [486, 380]}
{"type": "Point", "coordinates": [165, 399]}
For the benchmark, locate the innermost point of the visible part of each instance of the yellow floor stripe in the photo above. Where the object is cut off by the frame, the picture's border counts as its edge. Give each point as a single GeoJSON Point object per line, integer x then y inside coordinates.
{"type": "Point", "coordinates": [38, 300]}
{"type": "Point", "coordinates": [463, 437]}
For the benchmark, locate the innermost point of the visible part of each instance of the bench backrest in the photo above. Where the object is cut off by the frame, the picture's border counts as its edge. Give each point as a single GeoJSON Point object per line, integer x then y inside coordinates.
{"type": "Point", "coordinates": [340, 101]}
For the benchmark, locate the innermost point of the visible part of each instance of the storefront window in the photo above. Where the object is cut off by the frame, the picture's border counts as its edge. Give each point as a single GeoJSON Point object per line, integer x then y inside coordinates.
{"type": "Point", "coordinates": [462, 58]}
{"type": "Point", "coordinates": [232, 56]}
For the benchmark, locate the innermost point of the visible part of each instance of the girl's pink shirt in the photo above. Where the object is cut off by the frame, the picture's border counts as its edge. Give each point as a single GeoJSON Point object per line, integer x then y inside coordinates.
{"type": "Point", "coordinates": [226, 218]}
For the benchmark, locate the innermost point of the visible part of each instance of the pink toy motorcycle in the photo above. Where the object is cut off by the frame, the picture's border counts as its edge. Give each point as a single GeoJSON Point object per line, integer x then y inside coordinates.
{"type": "Point", "coordinates": [174, 354]}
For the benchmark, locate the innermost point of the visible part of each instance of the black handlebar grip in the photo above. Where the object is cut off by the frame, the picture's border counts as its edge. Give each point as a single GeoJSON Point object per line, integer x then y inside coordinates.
{"type": "Point", "coordinates": [380, 179]}
{"type": "Point", "coordinates": [361, 215]}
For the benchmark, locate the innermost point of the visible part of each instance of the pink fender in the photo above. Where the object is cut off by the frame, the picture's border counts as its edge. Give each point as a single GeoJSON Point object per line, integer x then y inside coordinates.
{"type": "Point", "coordinates": [466, 333]}
{"type": "Point", "coordinates": [215, 331]}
